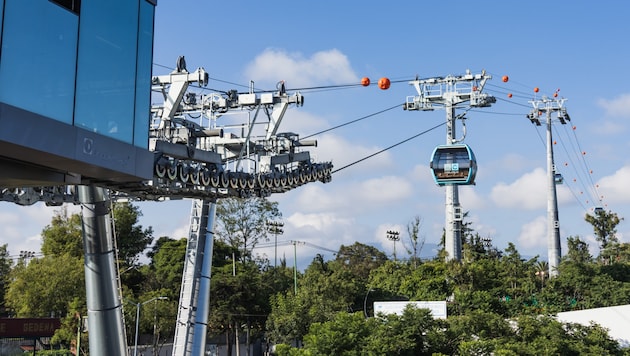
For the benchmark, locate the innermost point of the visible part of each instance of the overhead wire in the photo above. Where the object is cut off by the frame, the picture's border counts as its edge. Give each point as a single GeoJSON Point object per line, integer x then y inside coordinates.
{"type": "Point", "coordinates": [577, 173]}
{"type": "Point", "coordinates": [492, 88]}
{"type": "Point", "coordinates": [390, 147]}
{"type": "Point", "coordinates": [584, 175]}
{"type": "Point", "coordinates": [352, 121]}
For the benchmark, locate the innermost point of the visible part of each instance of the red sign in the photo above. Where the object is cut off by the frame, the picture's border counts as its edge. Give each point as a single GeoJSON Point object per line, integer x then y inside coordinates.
{"type": "Point", "coordinates": [28, 327]}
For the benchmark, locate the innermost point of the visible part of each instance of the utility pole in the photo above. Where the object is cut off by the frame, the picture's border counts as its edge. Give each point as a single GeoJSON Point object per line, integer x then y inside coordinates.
{"type": "Point", "coordinates": [545, 106]}
{"type": "Point", "coordinates": [449, 92]}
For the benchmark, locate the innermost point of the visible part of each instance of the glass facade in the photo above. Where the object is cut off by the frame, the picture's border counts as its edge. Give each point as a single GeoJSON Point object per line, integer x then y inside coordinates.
{"type": "Point", "coordinates": [38, 58]}
{"type": "Point", "coordinates": [1, 17]}
{"type": "Point", "coordinates": [89, 67]}
{"type": "Point", "coordinates": [143, 74]}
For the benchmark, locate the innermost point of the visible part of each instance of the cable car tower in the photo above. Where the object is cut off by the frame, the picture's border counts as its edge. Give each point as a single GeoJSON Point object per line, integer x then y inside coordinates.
{"type": "Point", "coordinates": [546, 106]}
{"type": "Point", "coordinates": [454, 163]}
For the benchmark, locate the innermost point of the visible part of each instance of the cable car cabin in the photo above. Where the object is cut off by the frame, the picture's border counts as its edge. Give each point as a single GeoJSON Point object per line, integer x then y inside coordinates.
{"type": "Point", "coordinates": [558, 179]}
{"type": "Point", "coordinates": [453, 164]}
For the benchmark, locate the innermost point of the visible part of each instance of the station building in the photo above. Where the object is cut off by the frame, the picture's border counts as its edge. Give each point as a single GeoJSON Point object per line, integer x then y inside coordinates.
{"type": "Point", "coordinates": [75, 87]}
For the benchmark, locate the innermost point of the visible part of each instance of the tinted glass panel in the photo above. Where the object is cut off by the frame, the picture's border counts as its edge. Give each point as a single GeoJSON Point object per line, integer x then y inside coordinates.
{"type": "Point", "coordinates": [37, 66]}
{"type": "Point", "coordinates": [143, 85]}
{"type": "Point", "coordinates": [1, 10]}
{"type": "Point", "coordinates": [107, 68]}
{"type": "Point", "coordinates": [70, 5]}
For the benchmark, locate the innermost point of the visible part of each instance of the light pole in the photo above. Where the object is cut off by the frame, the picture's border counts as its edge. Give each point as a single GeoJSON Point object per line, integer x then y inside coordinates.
{"type": "Point", "coordinates": [138, 305]}
{"type": "Point", "coordinates": [393, 236]}
{"type": "Point", "coordinates": [275, 228]}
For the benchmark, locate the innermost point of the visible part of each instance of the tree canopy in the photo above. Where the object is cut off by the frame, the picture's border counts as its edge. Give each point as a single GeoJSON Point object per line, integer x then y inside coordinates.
{"type": "Point", "coordinates": [498, 302]}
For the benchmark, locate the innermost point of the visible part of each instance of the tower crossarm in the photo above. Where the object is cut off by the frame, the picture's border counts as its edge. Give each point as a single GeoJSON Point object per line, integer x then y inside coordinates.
{"type": "Point", "coordinates": [453, 89]}
{"type": "Point", "coordinates": [546, 106]}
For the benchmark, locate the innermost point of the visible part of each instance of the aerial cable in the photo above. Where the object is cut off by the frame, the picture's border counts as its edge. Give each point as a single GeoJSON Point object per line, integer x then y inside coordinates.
{"type": "Point", "coordinates": [581, 182]}
{"type": "Point", "coordinates": [390, 147]}
{"type": "Point", "coordinates": [574, 166]}
{"type": "Point", "coordinates": [497, 112]}
{"type": "Point", "coordinates": [586, 166]}
{"type": "Point", "coordinates": [353, 121]}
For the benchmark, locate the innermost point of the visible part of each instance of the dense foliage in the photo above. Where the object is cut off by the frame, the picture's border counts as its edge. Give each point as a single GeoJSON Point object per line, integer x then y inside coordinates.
{"type": "Point", "coordinates": [498, 302]}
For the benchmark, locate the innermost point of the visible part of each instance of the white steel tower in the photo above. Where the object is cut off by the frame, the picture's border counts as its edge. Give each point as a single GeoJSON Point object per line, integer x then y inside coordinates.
{"type": "Point", "coordinates": [546, 106]}
{"type": "Point", "coordinates": [450, 92]}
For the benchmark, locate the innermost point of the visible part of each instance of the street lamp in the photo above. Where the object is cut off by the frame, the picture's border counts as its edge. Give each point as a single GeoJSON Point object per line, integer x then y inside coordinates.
{"type": "Point", "coordinates": [138, 305]}
{"type": "Point", "coordinates": [275, 228]}
{"type": "Point", "coordinates": [393, 236]}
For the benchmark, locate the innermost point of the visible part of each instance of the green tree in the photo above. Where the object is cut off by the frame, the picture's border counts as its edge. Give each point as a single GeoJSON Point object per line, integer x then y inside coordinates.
{"type": "Point", "coordinates": [63, 235]}
{"type": "Point", "coordinates": [325, 289]}
{"type": "Point", "coordinates": [287, 322]}
{"type": "Point", "coordinates": [345, 334]}
{"type": "Point", "coordinates": [242, 222]}
{"type": "Point", "coordinates": [360, 259]}
{"type": "Point", "coordinates": [5, 269]}
{"type": "Point", "coordinates": [416, 242]}
{"type": "Point", "coordinates": [45, 286]}
{"type": "Point", "coordinates": [131, 238]}
{"type": "Point", "coordinates": [604, 227]}
{"type": "Point", "coordinates": [237, 297]}
{"type": "Point", "coordinates": [164, 272]}
{"type": "Point", "coordinates": [415, 332]}
{"type": "Point", "coordinates": [577, 250]}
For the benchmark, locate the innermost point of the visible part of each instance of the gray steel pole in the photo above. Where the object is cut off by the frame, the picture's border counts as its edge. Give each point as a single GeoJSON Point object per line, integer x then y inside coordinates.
{"type": "Point", "coordinates": [553, 222]}
{"type": "Point", "coordinates": [452, 233]}
{"type": "Point", "coordinates": [135, 344]}
{"type": "Point", "coordinates": [105, 319]}
{"type": "Point", "coordinates": [208, 213]}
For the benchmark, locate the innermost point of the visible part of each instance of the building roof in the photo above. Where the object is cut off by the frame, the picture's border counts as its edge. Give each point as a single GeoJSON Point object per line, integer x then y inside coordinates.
{"type": "Point", "coordinates": [615, 319]}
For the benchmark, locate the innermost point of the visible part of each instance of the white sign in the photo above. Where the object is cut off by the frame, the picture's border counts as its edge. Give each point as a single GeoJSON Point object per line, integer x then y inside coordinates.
{"type": "Point", "coordinates": [437, 308]}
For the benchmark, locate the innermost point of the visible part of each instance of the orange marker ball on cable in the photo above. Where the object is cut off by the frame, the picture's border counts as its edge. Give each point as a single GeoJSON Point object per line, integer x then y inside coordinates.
{"type": "Point", "coordinates": [365, 81]}
{"type": "Point", "coordinates": [384, 83]}
{"type": "Point", "coordinates": [536, 90]}
{"type": "Point", "coordinates": [505, 78]}
{"type": "Point", "coordinates": [509, 95]}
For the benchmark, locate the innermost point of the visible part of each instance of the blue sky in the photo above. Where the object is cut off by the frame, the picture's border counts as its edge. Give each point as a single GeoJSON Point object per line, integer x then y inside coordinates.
{"type": "Point", "coordinates": [579, 47]}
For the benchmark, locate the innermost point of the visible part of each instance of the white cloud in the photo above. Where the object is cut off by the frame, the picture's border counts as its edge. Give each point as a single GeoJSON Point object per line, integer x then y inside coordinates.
{"type": "Point", "coordinates": [342, 152]}
{"type": "Point", "coordinates": [470, 199]}
{"type": "Point", "coordinates": [617, 107]}
{"type": "Point", "coordinates": [422, 173]}
{"type": "Point", "coordinates": [21, 226]}
{"type": "Point", "coordinates": [318, 221]}
{"type": "Point", "coordinates": [273, 65]}
{"type": "Point", "coordinates": [302, 122]}
{"type": "Point", "coordinates": [608, 127]}
{"type": "Point", "coordinates": [615, 187]}
{"type": "Point", "coordinates": [353, 198]}
{"type": "Point", "coordinates": [528, 192]}
{"type": "Point", "coordinates": [534, 233]}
